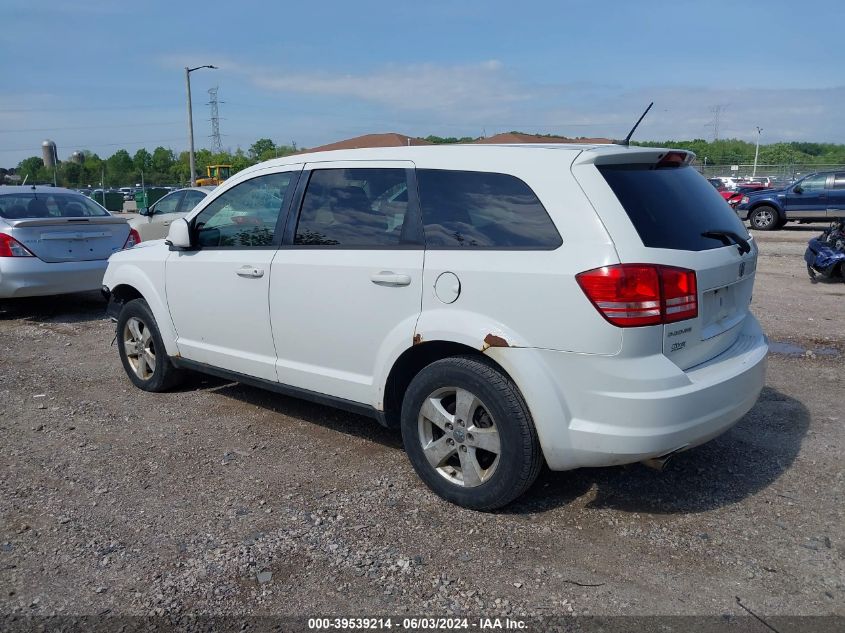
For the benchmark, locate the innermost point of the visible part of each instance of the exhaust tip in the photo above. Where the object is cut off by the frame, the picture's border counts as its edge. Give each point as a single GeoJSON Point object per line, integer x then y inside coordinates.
{"type": "Point", "coordinates": [657, 463]}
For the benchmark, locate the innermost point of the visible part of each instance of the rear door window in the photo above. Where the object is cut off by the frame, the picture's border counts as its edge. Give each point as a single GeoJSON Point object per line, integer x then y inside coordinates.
{"type": "Point", "coordinates": [467, 209]}
{"type": "Point", "coordinates": [671, 207]}
{"type": "Point", "coordinates": [355, 207]}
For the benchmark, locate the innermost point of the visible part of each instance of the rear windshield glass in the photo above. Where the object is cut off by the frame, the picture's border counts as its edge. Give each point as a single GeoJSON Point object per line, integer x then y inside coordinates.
{"type": "Point", "coordinates": [672, 206]}
{"type": "Point", "coordinates": [48, 205]}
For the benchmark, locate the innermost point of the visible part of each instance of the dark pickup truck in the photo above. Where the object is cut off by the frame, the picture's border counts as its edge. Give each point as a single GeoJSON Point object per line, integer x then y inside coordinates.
{"type": "Point", "coordinates": [814, 198]}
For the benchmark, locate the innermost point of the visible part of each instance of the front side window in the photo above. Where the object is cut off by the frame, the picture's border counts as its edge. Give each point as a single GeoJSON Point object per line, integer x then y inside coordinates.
{"type": "Point", "coordinates": [813, 183]}
{"type": "Point", "coordinates": [192, 199]}
{"type": "Point", "coordinates": [48, 205]}
{"type": "Point", "coordinates": [467, 209]}
{"type": "Point", "coordinates": [364, 207]}
{"type": "Point", "coordinates": [169, 203]}
{"type": "Point", "coordinates": [245, 215]}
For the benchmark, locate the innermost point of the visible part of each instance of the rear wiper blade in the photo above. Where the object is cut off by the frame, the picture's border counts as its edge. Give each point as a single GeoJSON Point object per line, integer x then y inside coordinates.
{"type": "Point", "coordinates": [729, 237]}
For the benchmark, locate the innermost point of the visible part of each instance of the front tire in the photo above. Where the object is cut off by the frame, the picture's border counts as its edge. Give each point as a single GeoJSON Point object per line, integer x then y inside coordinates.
{"type": "Point", "coordinates": [765, 218]}
{"type": "Point", "coordinates": [141, 349]}
{"type": "Point", "coordinates": [468, 433]}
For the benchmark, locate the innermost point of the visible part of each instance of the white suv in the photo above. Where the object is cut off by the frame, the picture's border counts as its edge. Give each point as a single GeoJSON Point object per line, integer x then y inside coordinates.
{"type": "Point", "coordinates": [502, 305]}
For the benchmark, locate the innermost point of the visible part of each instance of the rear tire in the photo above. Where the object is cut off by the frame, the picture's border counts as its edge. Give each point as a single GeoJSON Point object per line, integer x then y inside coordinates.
{"type": "Point", "coordinates": [468, 433]}
{"type": "Point", "coordinates": [142, 351]}
{"type": "Point", "coordinates": [765, 218]}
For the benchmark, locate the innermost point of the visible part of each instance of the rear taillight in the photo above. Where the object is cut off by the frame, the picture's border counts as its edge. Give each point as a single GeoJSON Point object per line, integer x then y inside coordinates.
{"type": "Point", "coordinates": [632, 295]}
{"type": "Point", "coordinates": [10, 247]}
{"type": "Point", "coordinates": [132, 239]}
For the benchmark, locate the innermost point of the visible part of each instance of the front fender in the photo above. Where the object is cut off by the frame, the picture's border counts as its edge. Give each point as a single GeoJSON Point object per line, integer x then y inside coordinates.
{"type": "Point", "coordinates": [148, 280]}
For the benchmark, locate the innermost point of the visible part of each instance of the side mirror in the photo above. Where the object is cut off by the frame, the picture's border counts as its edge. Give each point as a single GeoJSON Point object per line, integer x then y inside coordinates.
{"type": "Point", "coordinates": [145, 211]}
{"type": "Point", "coordinates": [179, 235]}
{"type": "Point", "coordinates": [798, 189]}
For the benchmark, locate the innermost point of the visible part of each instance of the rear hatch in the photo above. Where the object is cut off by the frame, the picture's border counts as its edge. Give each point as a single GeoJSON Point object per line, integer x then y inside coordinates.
{"type": "Point", "coordinates": [62, 226]}
{"type": "Point", "coordinates": [659, 210]}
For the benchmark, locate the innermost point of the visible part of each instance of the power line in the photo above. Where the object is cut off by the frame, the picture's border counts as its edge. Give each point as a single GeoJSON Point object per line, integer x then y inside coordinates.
{"type": "Point", "coordinates": [88, 127]}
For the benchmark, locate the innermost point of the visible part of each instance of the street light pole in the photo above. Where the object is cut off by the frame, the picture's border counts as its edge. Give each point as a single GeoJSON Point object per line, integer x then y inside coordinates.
{"type": "Point", "coordinates": [191, 158]}
{"type": "Point", "coordinates": [756, 151]}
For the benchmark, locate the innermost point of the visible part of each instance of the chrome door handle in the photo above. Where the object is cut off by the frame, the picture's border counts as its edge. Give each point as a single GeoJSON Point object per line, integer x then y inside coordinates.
{"type": "Point", "coordinates": [249, 271]}
{"type": "Point", "coordinates": [390, 278]}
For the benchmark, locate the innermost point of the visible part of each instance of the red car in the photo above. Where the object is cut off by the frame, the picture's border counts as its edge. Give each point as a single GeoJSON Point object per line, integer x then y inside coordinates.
{"type": "Point", "coordinates": [733, 196]}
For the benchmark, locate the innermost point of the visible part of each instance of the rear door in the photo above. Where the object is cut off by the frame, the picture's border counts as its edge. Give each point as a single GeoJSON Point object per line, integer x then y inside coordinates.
{"type": "Point", "coordinates": [836, 197]}
{"type": "Point", "coordinates": [345, 286]}
{"type": "Point", "coordinates": [63, 227]}
{"type": "Point", "coordinates": [657, 213]}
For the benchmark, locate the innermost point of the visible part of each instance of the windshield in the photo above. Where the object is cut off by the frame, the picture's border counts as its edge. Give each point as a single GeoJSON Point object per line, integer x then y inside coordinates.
{"type": "Point", "coordinates": [17, 206]}
{"type": "Point", "coordinates": [672, 207]}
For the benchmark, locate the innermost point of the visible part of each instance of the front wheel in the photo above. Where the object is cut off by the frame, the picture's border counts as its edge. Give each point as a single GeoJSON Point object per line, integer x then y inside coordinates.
{"type": "Point", "coordinates": [765, 218]}
{"type": "Point", "coordinates": [141, 349]}
{"type": "Point", "coordinates": [469, 434]}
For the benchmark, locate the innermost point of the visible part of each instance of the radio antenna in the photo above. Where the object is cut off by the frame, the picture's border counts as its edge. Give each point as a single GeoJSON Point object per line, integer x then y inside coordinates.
{"type": "Point", "coordinates": [627, 140]}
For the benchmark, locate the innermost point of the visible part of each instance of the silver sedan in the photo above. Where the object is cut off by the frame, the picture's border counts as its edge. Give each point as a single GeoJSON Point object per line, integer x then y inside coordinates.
{"type": "Point", "coordinates": [55, 240]}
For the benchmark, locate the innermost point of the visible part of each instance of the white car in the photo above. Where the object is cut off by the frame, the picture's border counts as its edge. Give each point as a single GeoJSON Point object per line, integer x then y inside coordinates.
{"type": "Point", "coordinates": [502, 305]}
{"type": "Point", "coordinates": [154, 222]}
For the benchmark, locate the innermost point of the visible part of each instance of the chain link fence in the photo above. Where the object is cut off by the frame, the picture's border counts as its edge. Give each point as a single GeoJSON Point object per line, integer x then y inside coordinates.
{"type": "Point", "coordinates": [781, 173]}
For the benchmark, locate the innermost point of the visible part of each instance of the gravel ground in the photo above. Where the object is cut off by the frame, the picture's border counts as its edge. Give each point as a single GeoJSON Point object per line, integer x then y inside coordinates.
{"type": "Point", "coordinates": [224, 499]}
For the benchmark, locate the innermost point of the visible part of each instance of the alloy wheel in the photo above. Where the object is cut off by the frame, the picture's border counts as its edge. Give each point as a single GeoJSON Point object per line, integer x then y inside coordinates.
{"type": "Point", "coordinates": [459, 436]}
{"type": "Point", "coordinates": [139, 347]}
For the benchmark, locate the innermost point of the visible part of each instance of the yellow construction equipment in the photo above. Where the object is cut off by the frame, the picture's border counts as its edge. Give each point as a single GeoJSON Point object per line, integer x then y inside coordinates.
{"type": "Point", "coordinates": [215, 174]}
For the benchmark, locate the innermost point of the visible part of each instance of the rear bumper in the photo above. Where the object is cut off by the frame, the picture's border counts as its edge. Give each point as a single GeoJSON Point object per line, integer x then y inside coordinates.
{"type": "Point", "coordinates": [603, 411]}
{"type": "Point", "coordinates": [32, 277]}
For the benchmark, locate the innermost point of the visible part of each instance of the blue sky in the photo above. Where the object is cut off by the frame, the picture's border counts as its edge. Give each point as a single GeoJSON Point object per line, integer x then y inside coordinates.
{"type": "Point", "coordinates": [109, 75]}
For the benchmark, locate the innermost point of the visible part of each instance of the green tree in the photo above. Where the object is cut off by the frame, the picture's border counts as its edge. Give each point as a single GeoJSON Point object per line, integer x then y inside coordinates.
{"type": "Point", "coordinates": [262, 147]}
{"type": "Point", "coordinates": [31, 168]}
{"type": "Point", "coordinates": [142, 160]}
{"type": "Point", "coordinates": [71, 174]}
{"type": "Point", "coordinates": [120, 167]}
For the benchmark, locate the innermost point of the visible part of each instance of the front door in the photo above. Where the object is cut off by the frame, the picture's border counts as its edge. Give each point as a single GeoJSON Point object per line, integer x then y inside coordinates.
{"type": "Point", "coordinates": [346, 286]}
{"type": "Point", "coordinates": [811, 202]}
{"type": "Point", "coordinates": [217, 294]}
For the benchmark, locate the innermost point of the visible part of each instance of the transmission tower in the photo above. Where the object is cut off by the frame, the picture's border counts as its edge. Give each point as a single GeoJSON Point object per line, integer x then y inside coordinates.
{"type": "Point", "coordinates": [716, 111]}
{"type": "Point", "coordinates": [216, 142]}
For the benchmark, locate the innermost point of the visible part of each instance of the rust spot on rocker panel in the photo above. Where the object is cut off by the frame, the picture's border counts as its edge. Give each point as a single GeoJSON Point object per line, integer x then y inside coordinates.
{"type": "Point", "coordinates": [417, 338]}
{"type": "Point", "coordinates": [491, 340]}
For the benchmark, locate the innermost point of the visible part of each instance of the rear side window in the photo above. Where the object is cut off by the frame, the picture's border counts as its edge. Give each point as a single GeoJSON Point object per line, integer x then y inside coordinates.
{"type": "Point", "coordinates": [467, 209]}
{"type": "Point", "coordinates": [671, 207]}
{"type": "Point", "coordinates": [364, 207]}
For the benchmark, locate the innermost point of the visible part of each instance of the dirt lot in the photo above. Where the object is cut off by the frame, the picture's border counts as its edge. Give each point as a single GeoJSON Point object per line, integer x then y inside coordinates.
{"type": "Point", "coordinates": [224, 499]}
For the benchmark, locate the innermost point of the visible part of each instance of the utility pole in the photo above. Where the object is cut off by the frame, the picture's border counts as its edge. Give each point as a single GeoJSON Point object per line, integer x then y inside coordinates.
{"type": "Point", "coordinates": [756, 151]}
{"type": "Point", "coordinates": [191, 158]}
